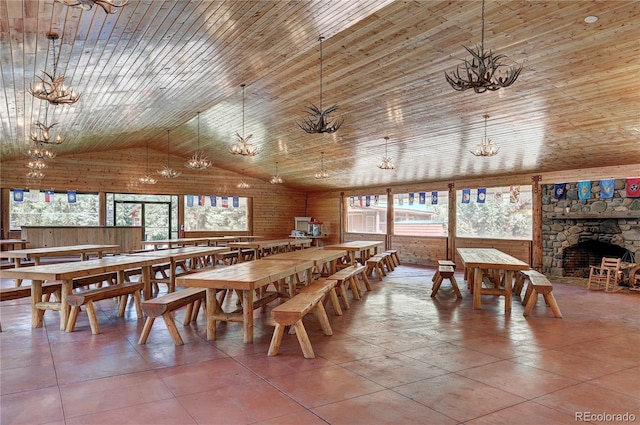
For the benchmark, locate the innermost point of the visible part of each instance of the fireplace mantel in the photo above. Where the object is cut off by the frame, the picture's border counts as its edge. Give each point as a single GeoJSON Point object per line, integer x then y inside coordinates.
{"type": "Point", "coordinates": [593, 215]}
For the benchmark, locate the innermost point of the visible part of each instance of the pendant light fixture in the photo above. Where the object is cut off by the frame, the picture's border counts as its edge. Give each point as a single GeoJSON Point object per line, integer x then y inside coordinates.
{"type": "Point", "coordinates": [106, 5]}
{"type": "Point", "coordinates": [322, 173]}
{"type": "Point", "coordinates": [485, 71]}
{"type": "Point", "coordinates": [243, 147]}
{"type": "Point", "coordinates": [319, 120]}
{"type": "Point", "coordinates": [386, 163]}
{"type": "Point", "coordinates": [167, 172]}
{"type": "Point", "coordinates": [243, 184]}
{"type": "Point", "coordinates": [52, 88]}
{"type": "Point", "coordinates": [276, 179]}
{"type": "Point", "coordinates": [147, 179]}
{"type": "Point", "coordinates": [198, 160]}
{"type": "Point", "coordinates": [486, 147]}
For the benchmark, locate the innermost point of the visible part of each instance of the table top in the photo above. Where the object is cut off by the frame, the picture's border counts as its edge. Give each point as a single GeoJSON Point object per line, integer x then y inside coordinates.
{"type": "Point", "coordinates": [75, 269]}
{"type": "Point", "coordinates": [355, 245]}
{"type": "Point", "coordinates": [180, 253]}
{"type": "Point", "coordinates": [176, 241]}
{"type": "Point", "coordinates": [490, 258]}
{"type": "Point", "coordinates": [315, 254]}
{"type": "Point", "coordinates": [267, 243]}
{"type": "Point", "coordinates": [11, 241]}
{"type": "Point", "coordinates": [56, 251]}
{"type": "Point", "coordinates": [244, 276]}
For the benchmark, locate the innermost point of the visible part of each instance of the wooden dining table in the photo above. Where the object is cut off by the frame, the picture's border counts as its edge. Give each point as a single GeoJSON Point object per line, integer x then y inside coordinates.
{"type": "Point", "coordinates": [259, 246]}
{"type": "Point", "coordinates": [176, 242]}
{"type": "Point", "coordinates": [245, 277]}
{"type": "Point", "coordinates": [66, 272]}
{"type": "Point", "coordinates": [322, 259]}
{"type": "Point", "coordinates": [478, 261]}
{"type": "Point", "coordinates": [363, 247]}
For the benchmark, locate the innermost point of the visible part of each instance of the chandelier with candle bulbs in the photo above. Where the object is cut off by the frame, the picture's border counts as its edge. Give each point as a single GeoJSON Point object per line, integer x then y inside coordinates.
{"type": "Point", "coordinates": [485, 71]}
{"type": "Point", "coordinates": [242, 184]}
{"type": "Point", "coordinates": [486, 146]}
{"type": "Point", "coordinates": [322, 172]}
{"type": "Point", "coordinates": [106, 5]}
{"type": "Point", "coordinates": [52, 88]}
{"type": "Point", "coordinates": [167, 172]}
{"type": "Point", "coordinates": [147, 179]}
{"type": "Point", "coordinates": [198, 161]}
{"type": "Point", "coordinates": [276, 179]}
{"type": "Point", "coordinates": [386, 163]}
{"type": "Point", "coordinates": [243, 146]}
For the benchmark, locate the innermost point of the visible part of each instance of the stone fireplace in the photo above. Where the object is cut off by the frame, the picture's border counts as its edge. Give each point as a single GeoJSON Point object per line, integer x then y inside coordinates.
{"type": "Point", "coordinates": [578, 233]}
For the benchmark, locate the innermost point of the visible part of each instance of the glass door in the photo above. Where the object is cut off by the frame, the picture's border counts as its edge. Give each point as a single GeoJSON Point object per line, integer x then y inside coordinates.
{"type": "Point", "coordinates": [153, 217]}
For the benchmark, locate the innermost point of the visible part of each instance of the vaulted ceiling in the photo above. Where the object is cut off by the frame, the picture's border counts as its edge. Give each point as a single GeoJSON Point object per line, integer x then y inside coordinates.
{"type": "Point", "coordinates": [152, 65]}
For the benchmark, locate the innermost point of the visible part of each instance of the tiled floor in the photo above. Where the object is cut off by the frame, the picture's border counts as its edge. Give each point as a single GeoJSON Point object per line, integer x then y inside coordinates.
{"type": "Point", "coordinates": [396, 357]}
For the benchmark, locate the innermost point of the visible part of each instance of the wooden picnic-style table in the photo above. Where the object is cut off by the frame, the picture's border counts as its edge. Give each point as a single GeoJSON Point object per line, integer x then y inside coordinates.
{"type": "Point", "coordinates": [246, 277]}
{"type": "Point", "coordinates": [496, 262]}
{"type": "Point", "coordinates": [66, 272]}
{"type": "Point", "coordinates": [259, 246]}
{"type": "Point", "coordinates": [177, 242]}
{"type": "Point", "coordinates": [363, 247]}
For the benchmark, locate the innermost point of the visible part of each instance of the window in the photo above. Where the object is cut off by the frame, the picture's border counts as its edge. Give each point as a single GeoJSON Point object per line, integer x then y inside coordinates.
{"type": "Point", "coordinates": [156, 214]}
{"type": "Point", "coordinates": [421, 214]}
{"type": "Point", "coordinates": [495, 213]}
{"type": "Point", "coordinates": [367, 214]}
{"type": "Point", "coordinates": [48, 208]}
{"type": "Point", "coordinates": [216, 213]}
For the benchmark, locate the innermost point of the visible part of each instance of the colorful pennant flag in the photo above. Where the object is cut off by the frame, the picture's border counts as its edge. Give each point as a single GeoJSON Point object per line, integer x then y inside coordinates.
{"type": "Point", "coordinates": [434, 198]}
{"type": "Point", "coordinates": [352, 201]}
{"type": "Point", "coordinates": [411, 198]}
{"type": "Point", "coordinates": [71, 196]}
{"type": "Point", "coordinates": [225, 202]}
{"type": "Point", "coordinates": [499, 197]}
{"type": "Point", "coordinates": [201, 200]}
{"type": "Point", "coordinates": [236, 201]}
{"type": "Point", "coordinates": [360, 199]}
{"type": "Point", "coordinates": [367, 200]}
{"type": "Point", "coordinates": [400, 199]}
{"type": "Point", "coordinates": [560, 191]}
{"type": "Point", "coordinates": [18, 195]}
{"type": "Point", "coordinates": [514, 194]}
{"type": "Point", "coordinates": [376, 199]}
{"type": "Point", "coordinates": [48, 196]}
{"type": "Point", "coordinates": [607, 187]}
{"type": "Point", "coordinates": [584, 190]}
{"type": "Point", "coordinates": [466, 196]}
{"type": "Point", "coordinates": [213, 200]}
{"type": "Point", "coordinates": [189, 201]}
{"type": "Point", "coordinates": [633, 187]}
{"type": "Point", "coordinates": [422, 198]}
{"type": "Point", "coordinates": [482, 195]}
{"type": "Point", "coordinates": [34, 195]}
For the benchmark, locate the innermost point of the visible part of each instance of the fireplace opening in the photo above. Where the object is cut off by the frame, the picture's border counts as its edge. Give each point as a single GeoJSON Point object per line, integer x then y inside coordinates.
{"type": "Point", "coordinates": [577, 258]}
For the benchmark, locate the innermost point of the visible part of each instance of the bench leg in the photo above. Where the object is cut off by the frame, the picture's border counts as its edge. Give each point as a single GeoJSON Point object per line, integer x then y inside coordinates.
{"type": "Point", "coordinates": [531, 302]}
{"type": "Point", "coordinates": [93, 319]}
{"type": "Point", "coordinates": [321, 315]}
{"type": "Point", "coordinates": [436, 285]}
{"type": "Point", "coordinates": [334, 301]}
{"type": "Point", "coordinates": [146, 329]}
{"type": "Point", "coordinates": [71, 321]}
{"type": "Point", "coordinates": [355, 290]}
{"type": "Point", "coordinates": [365, 280]}
{"type": "Point", "coordinates": [343, 294]}
{"type": "Point", "coordinates": [276, 340]}
{"type": "Point", "coordinates": [303, 340]}
{"type": "Point", "coordinates": [551, 300]}
{"type": "Point", "coordinates": [173, 330]}
{"type": "Point", "coordinates": [122, 304]}
{"type": "Point", "coordinates": [136, 302]}
{"type": "Point", "coordinates": [527, 294]}
{"type": "Point", "coordinates": [454, 284]}
{"type": "Point", "coordinates": [188, 314]}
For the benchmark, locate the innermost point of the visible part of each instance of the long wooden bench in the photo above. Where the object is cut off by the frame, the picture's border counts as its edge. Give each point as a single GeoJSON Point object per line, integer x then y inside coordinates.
{"type": "Point", "coordinates": [328, 288]}
{"type": "Point", "coordinates": [87, 298]}
{"type": "Point", "coordinates": [291, 313]}
{"type": "Point", "coordinates": [442, 263]}
{"type": "Point", "coordinates": [348, 277]}
{"type": "Point", "coordinates": [164, 306]}
{"type": "Point", "coordinates": [446, 272]}
{"type": "Point", "coordinates": [540, 285]}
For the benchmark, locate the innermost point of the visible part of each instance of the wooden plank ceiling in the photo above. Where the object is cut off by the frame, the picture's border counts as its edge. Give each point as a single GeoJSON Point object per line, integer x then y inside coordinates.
{"type": "Point", "coordinates": [154, 64]}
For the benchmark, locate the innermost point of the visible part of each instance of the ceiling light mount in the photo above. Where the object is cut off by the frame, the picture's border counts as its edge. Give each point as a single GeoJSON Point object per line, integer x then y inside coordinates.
{"type": "Point", "coordinates": [243, 147]}
{"type": "Point", "coordinates": [319, 120]}
{"type": "Point", "coordinates": [198, 160]}
{"type": "Point", "coordinates": [52, 88]}
{"type": "Point", "coordinates": [486, 146]}
{"type": "Point", "coordinates": [386, 163]}
{"type": "Point", "coordinates": [485, 71]}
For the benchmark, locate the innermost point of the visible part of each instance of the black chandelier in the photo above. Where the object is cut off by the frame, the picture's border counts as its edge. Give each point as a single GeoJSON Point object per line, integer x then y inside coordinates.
{"type": "Point", "coordinates": [485, 71]}
{"type": "Point", "coordinates": [318, 120]}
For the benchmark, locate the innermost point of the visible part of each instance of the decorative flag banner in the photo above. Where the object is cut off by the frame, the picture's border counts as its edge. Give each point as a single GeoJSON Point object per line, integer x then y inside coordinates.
{"type": "Point", "coordinates": [482, 195]}
{"type": "Point", "coordinates": [34, 195]}
{"type": "Point", "coordinates": [434, 198]}
{"type": "Point", "coordinates": [367, 200]}
{"type": "Point", "coordinates": [633, 187]}
{"type": "Point", "coordinates": [584, 190]}
{"type": "Point", "coordinates": [514, 194]}
{"type": "Point", "coordinates": [498, 197]}
{"type": "Point", "coordinates": [466, 196]}
{"type": "Point", "coordinates": [225, 202]}
{"type": "Point", "coordinates": [400, 199]}
{"type": "Point", "coordinates": [18, 195]}
{"type": "Point", "coordinates": [48, 196]}
{"type": "Point", "coordinates": [213, 200]}
{"type": "Point", "coordinates": [422, 198]}
{"type": "Point", "coordinates": [607, 187]}
{"type": "Point", "coordinates": [71, 196]}
{"type": "Point", "coordinates": [360, 199]}
{"type": "Point", "coordinates": [201, 200]}
{"type": "Point", "coordinates": [376, 199]}
{"type": "Point", "coordinates": [236, 201]}
{"type": "Point", "coordinates": [411, 198]}
{"type": "Point", "coordinates": [189, 201]}
{"type": "Point", "coordinates": [559, 191]}
{"type": "Point", "coordinates": [352, 201]}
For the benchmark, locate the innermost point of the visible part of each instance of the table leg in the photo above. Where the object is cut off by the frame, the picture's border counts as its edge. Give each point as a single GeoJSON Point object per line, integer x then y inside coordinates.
{"type": "Point", "coordinates": [17, 265]}
{"type": "Point", "coordinates": [247, 315]}
{"type": "Point", "coordinates": [508, 287]}
{"type": "Point", "coordinates": [146, 282]}
{"type": "Point", "coordinates": [212, 308]}
{"type": "Point", "coordinates": [172, 276]}
{"type": "Point", "coordinates": [67, 289]}
{"type": "Point", "coordinates": [477, 288]}
{"type": "Point", "coordinates": [37, 315]}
